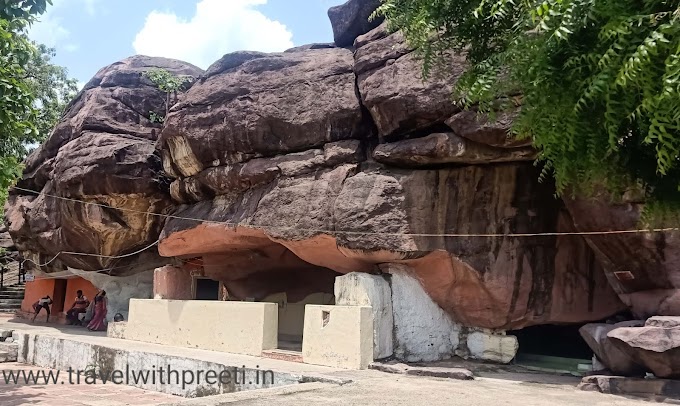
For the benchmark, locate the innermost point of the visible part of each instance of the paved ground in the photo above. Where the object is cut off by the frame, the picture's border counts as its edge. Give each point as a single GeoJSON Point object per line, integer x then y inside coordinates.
{"type": "Point", "coordinates": [63, 393]}
{"type": "Point", "coordinates": [492, 388]}
{"type": "Point", "coordinates": [375, 388]}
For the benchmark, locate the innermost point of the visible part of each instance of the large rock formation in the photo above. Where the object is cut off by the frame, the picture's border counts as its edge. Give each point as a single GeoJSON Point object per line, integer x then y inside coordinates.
{"type": "Point", "coordinates": [300, 166]}
{"type": "Point", "coordinates": [655, 346]}
{"type": "Point", "coordinates": [289, 169]}
{"type": "Point", "coordinates": [617, 361]}
{"type": "Point", "coordinates": [102, 152]}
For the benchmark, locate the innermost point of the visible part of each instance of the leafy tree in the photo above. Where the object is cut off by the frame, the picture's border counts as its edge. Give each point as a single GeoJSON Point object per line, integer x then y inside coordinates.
{"type": "Point", "coordinates": [599, 80]}
{"type": "Point", "coordinates": [52, 88]}
{"type": "Point", "coordinates": [22, 12]}
{"type": "Point", "coordinates": [33, 92]}
{"type": "Point", "coordinates": [168, 83]}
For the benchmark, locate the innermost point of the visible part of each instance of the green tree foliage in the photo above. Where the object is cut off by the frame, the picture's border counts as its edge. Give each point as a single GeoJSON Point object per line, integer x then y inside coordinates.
{"type": "Point", "coordinates": [33, 92]}
{"type": "Point", "coordinates": [168, 83]}
{"type": "Point", "coordinates": [599, 80]}
{"type": "Point", "coordinates": [51, 87]}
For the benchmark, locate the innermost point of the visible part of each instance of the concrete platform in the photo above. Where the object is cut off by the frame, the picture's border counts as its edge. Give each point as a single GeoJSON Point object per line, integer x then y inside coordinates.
{"type": "Point", "coordinates": [312, 384]}
{"type": "Point", "coordinates": [64, 347]}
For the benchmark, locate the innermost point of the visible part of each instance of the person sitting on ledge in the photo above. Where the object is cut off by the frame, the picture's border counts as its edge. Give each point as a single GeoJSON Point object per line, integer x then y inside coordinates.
{"type": "Point", "coordinates": [79, 306]}
{"type": "Point", "coordinates": [43, 303]}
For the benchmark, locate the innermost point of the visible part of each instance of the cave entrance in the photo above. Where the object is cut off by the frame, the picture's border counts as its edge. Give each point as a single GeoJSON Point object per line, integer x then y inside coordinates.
{"type": "Point", "coordinates": [206, 289]}
{"type": "Point", "coordinates": [258, 269]}
{"type": "Point", "coordinates": [553, 348]}
{"type": "Point", "coordinates": [292, 317]}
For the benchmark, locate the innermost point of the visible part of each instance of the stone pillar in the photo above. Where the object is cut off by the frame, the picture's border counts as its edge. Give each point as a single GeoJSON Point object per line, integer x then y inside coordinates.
{"type": "Point", "coordinates": [172, 283]}
{"type": "Point", "coordinates": [422, 330]}
{"type": "Point", "coordinates": [361, 289]}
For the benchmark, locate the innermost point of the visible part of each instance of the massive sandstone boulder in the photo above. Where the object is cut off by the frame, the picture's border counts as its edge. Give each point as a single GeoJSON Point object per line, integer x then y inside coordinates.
{"type": "Point", "coordinates": [102, 152]}
{"type": "Point", "coordinates": [617, 361]}
{"type": "Point", "coordinates": [286, 170]}
{"type": "Point", "coordinates": [293, 168]}
{"type": "Point", "coordinates": [655, 346]}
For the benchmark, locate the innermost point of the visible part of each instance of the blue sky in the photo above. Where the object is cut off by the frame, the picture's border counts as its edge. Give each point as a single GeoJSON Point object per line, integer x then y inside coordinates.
{"type": "Point", "coordinates": [90, 34]}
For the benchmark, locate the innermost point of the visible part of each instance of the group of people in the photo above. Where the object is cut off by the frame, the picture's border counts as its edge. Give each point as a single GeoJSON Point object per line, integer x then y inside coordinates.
{"type": "Point", "coordinates": [97, 308]}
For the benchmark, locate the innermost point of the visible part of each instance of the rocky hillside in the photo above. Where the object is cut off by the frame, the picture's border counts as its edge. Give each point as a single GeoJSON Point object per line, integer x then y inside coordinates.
{"type": "Point", "coordinates": [284, 170]}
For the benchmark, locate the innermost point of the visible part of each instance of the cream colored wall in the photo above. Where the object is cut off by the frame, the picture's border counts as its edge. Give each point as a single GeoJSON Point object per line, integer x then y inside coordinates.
{"type": "Point", "coordinates": [292, 315]}
{"type": "Point", "coordinates": [235, 327]}
{"type": "Point", "coordinates": [338, 336]}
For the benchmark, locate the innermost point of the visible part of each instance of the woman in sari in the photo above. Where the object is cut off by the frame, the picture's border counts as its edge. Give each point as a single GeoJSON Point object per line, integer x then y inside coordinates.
{"type": "Point", "coordinates": [98, 322]}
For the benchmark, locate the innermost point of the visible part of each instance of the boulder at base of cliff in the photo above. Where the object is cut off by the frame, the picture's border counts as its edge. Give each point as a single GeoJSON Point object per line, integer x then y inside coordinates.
{"type": "Point", "coordinates": [617, 361]}
{"type": "Point", "coordinates": [656, 346]}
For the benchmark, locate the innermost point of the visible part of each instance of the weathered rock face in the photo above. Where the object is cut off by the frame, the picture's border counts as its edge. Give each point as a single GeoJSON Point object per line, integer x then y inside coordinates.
{"type": "Point", "coordinates": [655, 346]}
{"type": "Point", "coordinates": [617, 361]}
{"type": "Point", "coordinates": [102, 152]}
{"type": "Point", "coordinates": [253, 105]}
{"type": "Point", "coordinates": [446, 148]}
{"type": "Point", "coordinates": [6, 241]}
{"type": "Point", "coordinates": [392, 88]}
{"type": "Point", "coordinates": [642, 267]}
{"type": "Point", "coordinates": [287, 170]}
{"type": "Point", "coordinates": [300, 166]}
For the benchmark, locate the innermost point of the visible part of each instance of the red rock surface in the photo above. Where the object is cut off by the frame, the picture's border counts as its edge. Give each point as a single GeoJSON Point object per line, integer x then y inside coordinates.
{"type": "Point", "coordinates": [642, 267]}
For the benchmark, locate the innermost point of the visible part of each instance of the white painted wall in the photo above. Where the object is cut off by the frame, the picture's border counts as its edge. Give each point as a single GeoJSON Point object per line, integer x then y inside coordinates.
{"type": "Point", "coordinates": [119, 290]}
{"type": "Point", "coordinates": [362, 289]}
{"type": "Point", "coordinates": [422, 330]}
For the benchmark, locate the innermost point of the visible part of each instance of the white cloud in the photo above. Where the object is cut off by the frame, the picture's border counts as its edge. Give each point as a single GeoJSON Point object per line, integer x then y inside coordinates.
{"type": "Point", "coordinates": [49, 29]}
{"type": "Point", "coordinates": [217, 28]}
{"type": "Point", "coordinates": [71, 47]}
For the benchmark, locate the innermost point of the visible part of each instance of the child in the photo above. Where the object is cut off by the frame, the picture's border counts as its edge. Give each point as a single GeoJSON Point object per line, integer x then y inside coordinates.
{"type": "Point", "coordinates": [43, 303]}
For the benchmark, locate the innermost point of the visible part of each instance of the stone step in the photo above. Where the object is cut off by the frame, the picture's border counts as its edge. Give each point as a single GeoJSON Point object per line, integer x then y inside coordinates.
{"type": "Point", "coordinates": [13, 290]}
{"type": "Point", "coordinates": [13, 300]}
{"type": "Point", "coordinates": [434, 372]}
{"type": "Point", "coordinates": [11, 295]}
{"type": "Point", "coordinates": [283, 355]}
